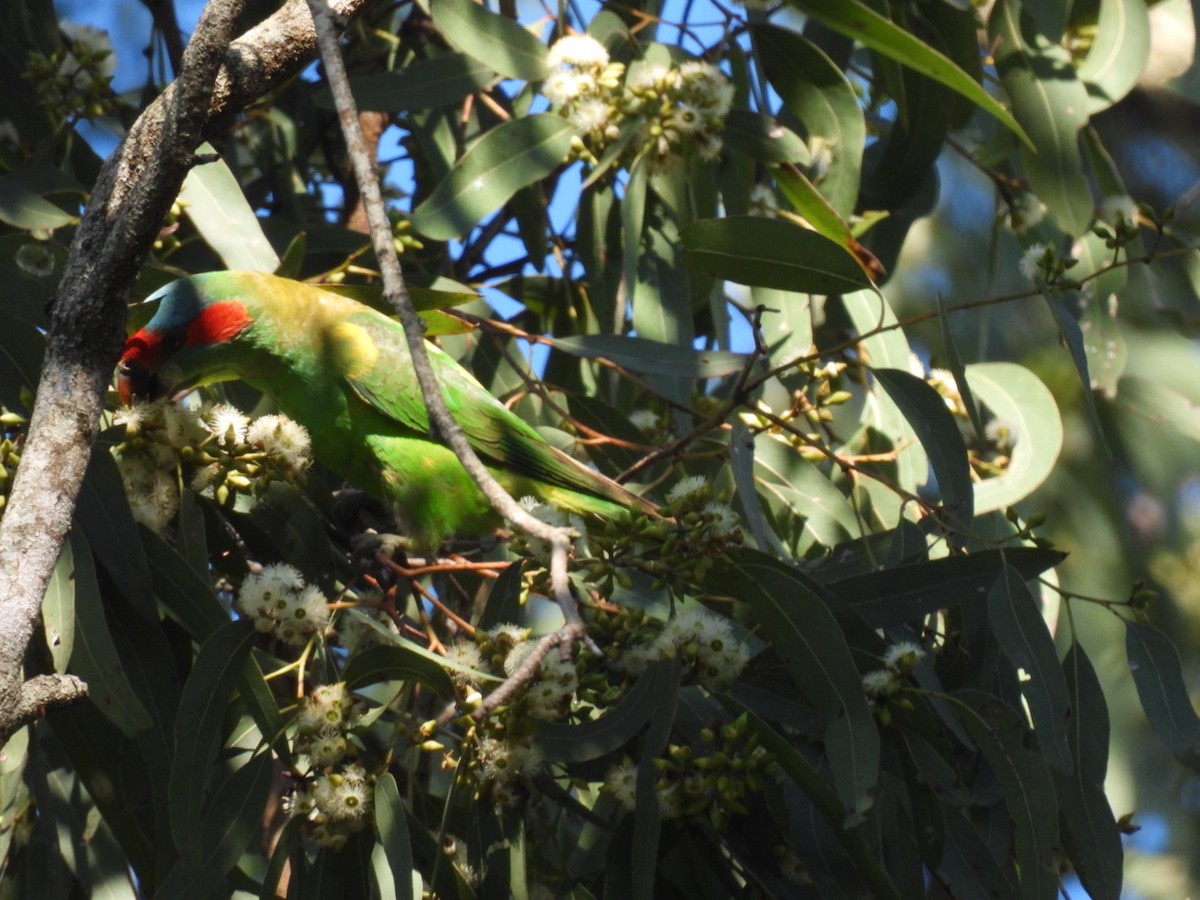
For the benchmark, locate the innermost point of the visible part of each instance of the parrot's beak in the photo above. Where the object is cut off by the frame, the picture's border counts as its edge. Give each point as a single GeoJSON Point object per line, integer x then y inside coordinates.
{"type": "Point", "coordinates": [135, 382]}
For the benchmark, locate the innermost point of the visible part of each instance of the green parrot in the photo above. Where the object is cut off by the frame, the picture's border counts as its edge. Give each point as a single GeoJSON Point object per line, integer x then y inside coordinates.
{"type": "Point", "coordinates": [343, 371]}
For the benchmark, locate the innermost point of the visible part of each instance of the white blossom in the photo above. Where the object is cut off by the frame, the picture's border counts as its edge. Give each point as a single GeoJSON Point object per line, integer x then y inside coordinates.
{"type": "Point", "coordinates": [1031, 262]}
{"type": "Point", "coordinates": [579, 50]}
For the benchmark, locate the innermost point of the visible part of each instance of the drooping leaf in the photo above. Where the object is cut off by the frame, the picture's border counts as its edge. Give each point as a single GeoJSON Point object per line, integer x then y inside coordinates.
{"type": "Point", "coordinates": [491, 38]}
{"type": "Point", "coordinates": [198, 732]}
{"type": "Point", "coordinates": [908, 593]}
{"type": "Point", "coordinates": [611, 731]}
{"type": "Point", "coordinates": [58, 610]}
{"type": "Point", "coordinates": [1021, 632]}
{"type": "Point", "coordinates": [398, 662]}
{"type": "Point", "coordinates": [886, 347]}
{"type": "Point", "coordinates": [860, 22]}
{"type": "Point", "coordinates": [506, 159]}
{"type": "Point", "coordinates": [103, 514]}
{"type": "Point", "coordinates": [764, 139]}
{"type": "Point", "coordinates": [771, 253]}
{"type": "Point", "coordinates": [1158, 675]}
{"type": "Point", "coordinates": [816, 92]}
{"type": "Point", "coordinates": [423, 84]}
{"type": "Point", "coordinates": [1118, 54]}
{"type": "Point", "coordinates": [22, 208]}
{"type": "Point", "coordinates": [1001, 734]}
{"type": "Point", "coordinates": [95, 658]}
{"type": "Point", "coordinates": [216, 205]}
{"type": "Point", "coordinates": [232, 821]}
{"type": "Point", "coordinates": [652, 357]}
{"type": "Point", "coordinates": [1019, 401]}
{"type": "Point", "coordinates": [805, 506]}
{"type": "Point", "coordinates": [504, 601]}
{"type": "Point", "coordinates": [1050, 103]}
{"type": "Point", "coordinates": [791, 608]}
{"type": "Point", "coordinates": [392, 824]}
{"type": "Point", "coordinates": [1090, 833]}
{"type": "Point", "coordinates": [934, 425]}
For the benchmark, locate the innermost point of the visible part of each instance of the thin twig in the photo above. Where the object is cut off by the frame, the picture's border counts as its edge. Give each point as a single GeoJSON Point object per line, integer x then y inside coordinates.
{"type": "Point", "coordinates": [396, 292]}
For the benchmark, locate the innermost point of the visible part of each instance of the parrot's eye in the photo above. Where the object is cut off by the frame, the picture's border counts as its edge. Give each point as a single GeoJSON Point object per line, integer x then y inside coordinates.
{"type": "Point", "coordinates": [172, 341]}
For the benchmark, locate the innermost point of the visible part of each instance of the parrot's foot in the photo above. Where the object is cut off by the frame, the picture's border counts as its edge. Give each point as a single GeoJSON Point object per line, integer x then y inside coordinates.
{"type": "Point", "coordinates": [365, 548]}
{"type": "Point", "coordinates": [355, 512]}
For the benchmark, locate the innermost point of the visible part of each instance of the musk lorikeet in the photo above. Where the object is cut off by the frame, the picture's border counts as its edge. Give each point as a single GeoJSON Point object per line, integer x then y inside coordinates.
{"type": "Point", "coordinates": [343, 371]}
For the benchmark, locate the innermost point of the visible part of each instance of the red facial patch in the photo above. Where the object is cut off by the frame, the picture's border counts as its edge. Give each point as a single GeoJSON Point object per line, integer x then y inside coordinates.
{"type": "Point", "coordinates": [142, 348]}
{"type": "Point", "coordinates": [218, 323]}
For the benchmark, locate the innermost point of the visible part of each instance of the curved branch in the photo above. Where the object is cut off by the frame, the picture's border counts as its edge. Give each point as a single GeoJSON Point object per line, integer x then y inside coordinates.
{"type": "Point", "coordinates": [133, 193]}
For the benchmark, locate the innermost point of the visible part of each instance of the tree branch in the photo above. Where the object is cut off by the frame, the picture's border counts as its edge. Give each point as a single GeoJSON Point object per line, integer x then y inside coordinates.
{"type": "Point", "coordinates": [133, 193]}
{"type": "Point", "coordinates": [396, 291]}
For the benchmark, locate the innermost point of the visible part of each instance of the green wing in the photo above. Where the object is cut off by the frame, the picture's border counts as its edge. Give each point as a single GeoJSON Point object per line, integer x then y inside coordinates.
{"type": "Point", "coordinates": [389, 385]}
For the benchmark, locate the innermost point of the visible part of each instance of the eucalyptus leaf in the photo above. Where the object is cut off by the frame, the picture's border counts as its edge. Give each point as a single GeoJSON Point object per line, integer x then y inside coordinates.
{"type": "Point", "coordinates": [860, 22]}
{"type": "Point", "coordinates": [215, 204]}
{"type": "Point", "coordinates": [506, 159]}
{"type": "Point", "coordinates": [935, 427]}
{"type": "Point", "coordinates": [490, 38]}
{"type": "Point", "coordinates": [198, 732]}
{"type": "Point", "coordinates": [1050, 103]}
{"type": "Point", "coordinates": [1022, 404]}
{"type": "Point", "coordinates": [423, 84]}
{"type": "Point", "coordinates": [1158, 676]}
{"type": "Point", "coordinates": [793, 609]}
{"type": "Point", "coordinates": [772, 253]}
{"type": "Point", "coordinates": [22, 208]}
{"type": "Point", "coordinates": [1021, 632]}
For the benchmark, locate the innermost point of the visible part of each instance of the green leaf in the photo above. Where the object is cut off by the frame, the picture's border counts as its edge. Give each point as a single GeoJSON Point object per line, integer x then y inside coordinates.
{"type": "Point", "coordinates": [969, 865]}
{"type": "Point", "coordinates": [398, 662]}
{"type": "Point", "coordinates": [611, 731]}
{"type": "Point", "coordinates": [491, 38]}
{"type": "Point", "coordinates": [868, 312]}
{"type": "Point", "coordinates": [1017, 398]}
{"type": "Point", "coordinates": [1091, 836]}
{"type": "Point", "coordinates": [1158, 675]}
{"type": "Point", "coordinates": [183, 592]}
{"type": "Point", "coordinates": [1051, 105]}
{"type": "Point", "coordinates": [741, 465]}
{"type": "Point", "coordinates": [652, 357]}
{"type": "Point", "coordinates": [1021, 631]}
{"type": "Point", "coordinates": [58, 610]}
{"type": "Point", "coordinates": [815, 91]}
{"type": "Point", "coordinates": [647, 819]}
{"type": "Point", "coordinates": [955, 364]}
{"type": "Point", "coordinates": [935, 427]}
{"type": "Point", "coordinates": [1072, 336]}
{"type": "Point", "coordinates": [764, 139]}
{"type": "Point", "coordinates": [198, 732]}
{"type": "Point", "coordinates": [506, 159]}
{"type": "Point", "coordinates": [1119, 52]}
{"type": "Point", "coordinates": [1028, 788]}
{"type": "Point", "coordinates": [95, 658]}
{"type": "Point", "coordinates": [214, 202]}
{"type": "Point", "coordinates": [22, 208]}
{"type": "Point", "coordinates": [504, 601]}
{"type": "Point", "coordinates": [772, 253]}
{"type": "Point", "coordinates": [423, 84]}
{"type": "Point", "coordinates": [909, 593]}
{"type": "Point", "coordinates": [795, 612]}
{"type": "Point", "coordinates": [233, 820]}
{"type": "Point", "coordinates": [108, 524]}
{"type": "Point", "coordinates": [285, 846]}
{"type": "Point", "coordinates": [290, 523]}
{"type": "Point", "coordinates": [859, 22]}
{"type": "Point", "coordinates": [392, 825]}
{"type": "Point", "coordinates": [660, 294]}
{"type": "Point", "coordinates": [806, 507]}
